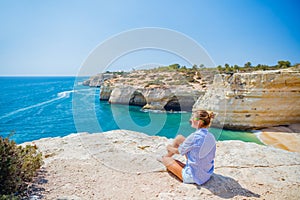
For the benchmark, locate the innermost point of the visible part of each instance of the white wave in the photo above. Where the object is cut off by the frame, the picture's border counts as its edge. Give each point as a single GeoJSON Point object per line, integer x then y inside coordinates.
{"type": "Point", "coordinates": [161, 111]}
{"type": "Point", "coordinates": [60, 95]}
{"type": "Point", "coordinates": [64, 94]}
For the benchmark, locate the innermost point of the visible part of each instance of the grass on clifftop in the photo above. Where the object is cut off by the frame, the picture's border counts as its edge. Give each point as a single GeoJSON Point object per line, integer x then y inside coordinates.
{"type": "Point", "coordinates": [195, 77]}
{"type": "Point", "coordinates": [172, 75]}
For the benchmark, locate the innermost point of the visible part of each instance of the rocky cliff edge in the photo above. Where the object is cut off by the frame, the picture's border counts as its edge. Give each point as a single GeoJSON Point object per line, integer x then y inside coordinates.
{"type": "Point", "coordinates": [121, 164]}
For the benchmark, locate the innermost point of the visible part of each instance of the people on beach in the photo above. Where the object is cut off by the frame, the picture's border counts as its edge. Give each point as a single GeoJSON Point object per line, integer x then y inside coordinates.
{"type": "Point", "coordinates": [199, 149]}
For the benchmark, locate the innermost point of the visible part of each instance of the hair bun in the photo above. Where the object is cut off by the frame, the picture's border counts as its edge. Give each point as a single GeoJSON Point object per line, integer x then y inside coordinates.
{"type": "Point", "coordinates": [212, 115]}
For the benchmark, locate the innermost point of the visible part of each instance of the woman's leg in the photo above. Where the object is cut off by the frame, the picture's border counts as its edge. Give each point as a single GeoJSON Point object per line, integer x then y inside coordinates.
{"type": "Point", "coordinates": [173, 166]}
{"type": "Point", "coordinates": [177, 141]}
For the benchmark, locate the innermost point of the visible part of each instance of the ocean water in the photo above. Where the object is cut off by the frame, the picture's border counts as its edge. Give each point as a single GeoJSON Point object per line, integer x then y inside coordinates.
{"type": "Point", "coordinates": [40, 107]}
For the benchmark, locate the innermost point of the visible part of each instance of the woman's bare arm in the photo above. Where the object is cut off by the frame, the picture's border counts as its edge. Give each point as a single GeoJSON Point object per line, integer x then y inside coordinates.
{"type": "Point", "coordinates": [172, 149]}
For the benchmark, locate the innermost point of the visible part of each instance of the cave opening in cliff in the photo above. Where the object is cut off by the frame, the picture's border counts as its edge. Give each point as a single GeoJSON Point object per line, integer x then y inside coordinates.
{"type": "Point", "coordinates": [173, 105]}
{"type": "Point", "coordinates": [137, 99]}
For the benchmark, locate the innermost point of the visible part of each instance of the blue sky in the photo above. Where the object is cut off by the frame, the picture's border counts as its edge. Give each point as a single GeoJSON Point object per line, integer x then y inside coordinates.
{"type": "Point", "coordinates": [55, 37]}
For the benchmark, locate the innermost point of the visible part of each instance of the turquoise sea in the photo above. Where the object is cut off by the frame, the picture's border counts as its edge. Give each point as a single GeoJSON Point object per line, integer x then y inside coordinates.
{"type": "Point", "coordinates": [40, 107]}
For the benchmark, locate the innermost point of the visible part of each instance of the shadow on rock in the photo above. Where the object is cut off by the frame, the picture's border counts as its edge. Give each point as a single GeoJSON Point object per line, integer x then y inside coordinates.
{"type": "Point", "coordinates": [226, 187]}
{"type": "Point", "coordinates": [35, 190]}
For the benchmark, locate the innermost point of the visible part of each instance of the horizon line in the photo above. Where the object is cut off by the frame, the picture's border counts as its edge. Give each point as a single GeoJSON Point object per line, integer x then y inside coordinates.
{"type": "Point", "coordinates": [41, 75]}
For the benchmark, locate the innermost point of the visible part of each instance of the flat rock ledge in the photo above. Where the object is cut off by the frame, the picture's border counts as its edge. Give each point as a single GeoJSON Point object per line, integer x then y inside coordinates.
{"type": "Point", "coordinates": [122, 164]}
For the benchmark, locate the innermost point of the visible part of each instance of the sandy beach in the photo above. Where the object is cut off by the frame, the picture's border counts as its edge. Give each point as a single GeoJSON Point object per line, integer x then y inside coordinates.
{"type": "Point", "coordinates": [283, 137]}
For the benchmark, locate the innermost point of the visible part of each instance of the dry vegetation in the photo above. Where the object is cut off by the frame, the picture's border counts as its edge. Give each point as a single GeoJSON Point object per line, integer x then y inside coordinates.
{"type": "Point", "coordinates": [168, 76]}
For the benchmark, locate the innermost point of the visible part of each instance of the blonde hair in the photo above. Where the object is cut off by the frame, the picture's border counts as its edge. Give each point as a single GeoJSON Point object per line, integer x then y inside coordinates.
{"type": "Point", "coordinates": [205, 116]}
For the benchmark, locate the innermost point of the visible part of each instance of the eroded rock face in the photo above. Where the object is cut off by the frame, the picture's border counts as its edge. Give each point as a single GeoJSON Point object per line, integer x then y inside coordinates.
{"type": "Point", "coordinates": [161, 88]}
{"type": "Point", "coordinates": [154, 98]}
{"type": "Point", "coordinates": [105, 92]}
{"type": "Point", "coordinates": [254, 100]}
{"type": "Point", "coordinates": [97, 80]}
{"type": "Point", "coordinates": [120, 95]}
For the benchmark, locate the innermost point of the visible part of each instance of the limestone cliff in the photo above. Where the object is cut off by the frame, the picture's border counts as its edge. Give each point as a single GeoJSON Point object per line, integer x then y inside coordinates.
{"type": "Point", "coordinates": [241, 100]}
{"type": "Point", "coordinates": [122, 164]}
{"type": "Point", "coordinates": [254, 100]}
{"type": "Point", "coordinates": [154, 98]}
{"type": "Point", "coordinates": [97, 80]}
{"type": "Point", "coordinates": [156, 90]}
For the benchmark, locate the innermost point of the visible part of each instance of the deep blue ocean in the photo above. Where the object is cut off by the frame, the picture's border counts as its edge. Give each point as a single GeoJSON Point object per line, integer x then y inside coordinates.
{"type": "Point", "coordinates": [40, 107]}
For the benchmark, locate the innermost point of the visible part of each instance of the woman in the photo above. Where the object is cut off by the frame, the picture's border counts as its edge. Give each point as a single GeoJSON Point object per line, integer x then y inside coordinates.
{"type": "Point", "coordinates": [199, 149]}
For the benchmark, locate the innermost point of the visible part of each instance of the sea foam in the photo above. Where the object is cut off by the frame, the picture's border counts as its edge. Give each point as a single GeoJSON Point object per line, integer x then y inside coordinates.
{"type": "Point", "coordinates": [60, 95]}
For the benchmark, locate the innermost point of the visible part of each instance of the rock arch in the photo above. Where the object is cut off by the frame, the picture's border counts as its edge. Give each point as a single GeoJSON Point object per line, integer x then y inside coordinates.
{"type": "Point", "coordinates": [137, 99]}
{"type": "Point", "coordinates": [173, 104]}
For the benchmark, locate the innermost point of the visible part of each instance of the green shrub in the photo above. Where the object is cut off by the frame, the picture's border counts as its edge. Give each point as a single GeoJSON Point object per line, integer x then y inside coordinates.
{"type": "Point", "coordinates": [18, 165]}
{"type": "Point", "coordinates": [8, 197]}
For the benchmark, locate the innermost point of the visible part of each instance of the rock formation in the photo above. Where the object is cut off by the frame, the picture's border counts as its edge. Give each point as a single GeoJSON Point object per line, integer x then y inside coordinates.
{"type": "Point", "coordinates": [254, 100]}
{"type": "Point", "coordinates": [97, 80]}
{"type": "Point", "coordinates": [154, 98]}
{"type": "Point", "coordinates": [122, 164]}
{"type": "Point", "coordinates": [170, 91]}
{"type": "Point", "coordinates": [241, 100]}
